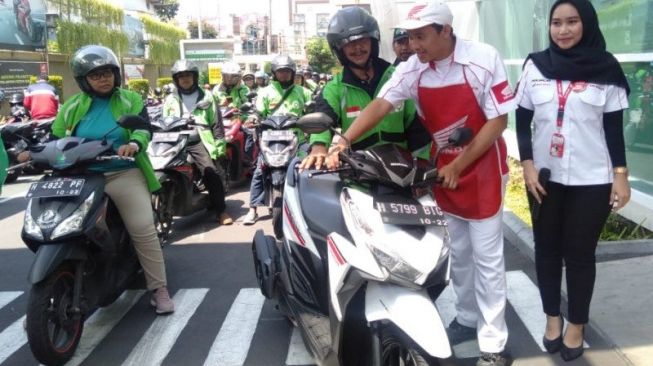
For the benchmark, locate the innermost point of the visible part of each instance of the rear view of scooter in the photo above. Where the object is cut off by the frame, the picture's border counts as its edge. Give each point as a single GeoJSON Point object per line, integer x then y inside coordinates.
{"type": "Point", "coordinates": [363, 257]}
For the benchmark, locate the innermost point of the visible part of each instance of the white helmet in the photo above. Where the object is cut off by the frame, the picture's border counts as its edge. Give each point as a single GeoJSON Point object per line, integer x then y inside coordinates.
{"type": "Point", "coordinates": [231, 68]}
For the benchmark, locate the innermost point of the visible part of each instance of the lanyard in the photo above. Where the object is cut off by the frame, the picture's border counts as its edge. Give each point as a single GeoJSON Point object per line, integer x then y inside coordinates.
{"type": "Point", "coordinates": [562, 101]}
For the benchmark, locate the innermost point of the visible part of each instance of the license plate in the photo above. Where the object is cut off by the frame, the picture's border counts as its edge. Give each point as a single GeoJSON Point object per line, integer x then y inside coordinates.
{"type": "Point", "coordinates": [399, 210]}
{"type": "Point", "coordinates": [277, 135]}
{"type": "Point", "coordinates": [165, 137]}
{"type": "Point", "coordinates": [56, 188]}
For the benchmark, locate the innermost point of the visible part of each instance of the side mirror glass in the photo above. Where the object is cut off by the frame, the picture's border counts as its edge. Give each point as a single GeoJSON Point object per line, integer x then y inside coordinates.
{"type": "Point", "coordinates": [203, 104]}
{"type": "Point", "coordinates": [133, 122]}
{"type": "Point", "coordinates": [315, 122]}
{"type": "Point", "coordinates": [246, 107]}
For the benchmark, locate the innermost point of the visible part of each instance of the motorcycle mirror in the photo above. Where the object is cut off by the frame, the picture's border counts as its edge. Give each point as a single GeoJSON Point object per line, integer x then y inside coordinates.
{"type": "Point", "coordinates": [203, 104]}
{"type": "Point", "coordinates": [309, 107]}
{"type": "Point", "coordinates": [315, 122]}
{"type": "Point", "coordinates": [251, 95]}
{"type": "Point", "coordinates": [246, 107]}
{"type": "Point", "coordinates": [133, 122]}
{"type": "Point", "coordinates": [460, 136]}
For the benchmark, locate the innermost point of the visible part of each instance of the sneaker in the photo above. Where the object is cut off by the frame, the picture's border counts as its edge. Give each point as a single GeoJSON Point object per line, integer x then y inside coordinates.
{"type": "Point", "coordinates": [493, 359]}
{"type": "Point", "coordinates": [161, 301]}
{"type": "Point", "coordinates": [225, 219]}
{"type": "Point", "coordinates": [250, 218]}
{"type": "Point", "coordinates": [459, 333]}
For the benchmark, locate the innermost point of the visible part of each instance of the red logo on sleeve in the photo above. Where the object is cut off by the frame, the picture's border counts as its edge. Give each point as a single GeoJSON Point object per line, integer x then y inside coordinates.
{"type": "Point", "coordinates": [502, 92]}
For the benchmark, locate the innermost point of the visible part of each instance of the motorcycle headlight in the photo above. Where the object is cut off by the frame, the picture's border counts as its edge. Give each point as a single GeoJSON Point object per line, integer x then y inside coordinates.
{"type": "Point", "coordinates": [390, 261]}
{"type": "Point", "coordinates": [30, 227]}
{"type": "Point", "coordinates": [74, 222]}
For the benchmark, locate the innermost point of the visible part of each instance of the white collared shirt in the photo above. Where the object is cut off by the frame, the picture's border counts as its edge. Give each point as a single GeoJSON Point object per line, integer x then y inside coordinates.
{"type": "Point", "coordinates": [585, 160]}
{"type": "Point", "coordinates": [477, 62]}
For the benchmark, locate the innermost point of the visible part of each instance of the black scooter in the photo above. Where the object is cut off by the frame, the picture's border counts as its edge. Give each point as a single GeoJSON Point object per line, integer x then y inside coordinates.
{"type": "Point", "coordinates": [84, 257]}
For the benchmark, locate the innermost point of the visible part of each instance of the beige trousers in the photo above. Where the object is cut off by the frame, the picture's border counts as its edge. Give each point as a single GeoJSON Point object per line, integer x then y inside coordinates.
{"type": "Point", "coordinates": [128, 190]}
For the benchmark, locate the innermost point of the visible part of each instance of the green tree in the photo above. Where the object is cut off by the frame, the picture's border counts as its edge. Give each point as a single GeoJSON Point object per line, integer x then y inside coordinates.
{"type": "Point", "coordinates": [319, 55]}
{"type": "Point", "coordinates": [166, 10]}
{"type": "Point", "coordinates": [208, 31]}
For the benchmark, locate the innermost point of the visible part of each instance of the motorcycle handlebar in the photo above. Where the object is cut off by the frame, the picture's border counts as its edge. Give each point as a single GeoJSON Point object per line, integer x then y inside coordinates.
{"type": "Point", "coordinates": [114, 157]}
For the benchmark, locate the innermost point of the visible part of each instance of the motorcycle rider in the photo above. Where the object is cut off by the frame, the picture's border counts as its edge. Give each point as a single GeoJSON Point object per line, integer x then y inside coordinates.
{"type": "Point", "coordinates": [41, 99]}
{"type": "Point", "coordinates": [248, 80]}
{"type": "Point", "coordinates": [309, 84]}
{"type": "Point", "coordinates": [17, 108]}
{"type": "Point", "coordinates": [231, 92]}
{"type": "Point", "coordinates": [92, 114]}
{"type": "Point", "coordinates": [400, 46]}
{"type": "Point", "coordinates": [364, 72]}
{"type": "Point", "coordinates": [185, 75]}
{"type": "Point", "coordinates": [292, 97]}
{"type": "Point", "coordinates": [262, 79]}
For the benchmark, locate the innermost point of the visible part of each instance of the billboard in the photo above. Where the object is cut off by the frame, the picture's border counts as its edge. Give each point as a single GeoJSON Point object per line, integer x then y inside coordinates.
{"type": "Point", "coordinates": [23, 25]}
{"type": "Point", "coordinates": [14, 75]}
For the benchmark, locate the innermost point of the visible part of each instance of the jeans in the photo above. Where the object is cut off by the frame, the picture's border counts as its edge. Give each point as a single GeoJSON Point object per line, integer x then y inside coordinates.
{"type": "Point", "coordinates": [257, 187]}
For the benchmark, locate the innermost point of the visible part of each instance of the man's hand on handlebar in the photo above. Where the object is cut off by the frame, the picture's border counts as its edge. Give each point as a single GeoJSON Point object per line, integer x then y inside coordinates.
{"type": "Point", "coordinates": [251, 122]}
{"type": "Point", "coordinates": [127, 150]}
{"type": "Point", "coordinates": [333, 157]}
{"type": "Point", "coordinates": [315, 158]}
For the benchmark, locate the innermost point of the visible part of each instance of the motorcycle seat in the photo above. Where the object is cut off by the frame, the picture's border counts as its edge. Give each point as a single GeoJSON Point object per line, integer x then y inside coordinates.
{"type": "Point", "coordinates": [320, 201]}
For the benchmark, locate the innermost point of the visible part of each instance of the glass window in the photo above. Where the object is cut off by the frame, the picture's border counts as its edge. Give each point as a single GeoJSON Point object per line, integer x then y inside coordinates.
{"type": "Point", "coordinates": [626, 25]}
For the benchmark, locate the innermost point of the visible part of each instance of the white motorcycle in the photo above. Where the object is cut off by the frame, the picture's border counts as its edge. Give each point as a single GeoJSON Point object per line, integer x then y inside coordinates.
{"type": "Point", "coordinates": [363, 257]}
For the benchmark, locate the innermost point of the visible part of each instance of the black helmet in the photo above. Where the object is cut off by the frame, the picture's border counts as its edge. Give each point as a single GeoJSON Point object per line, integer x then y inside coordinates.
{"type": "Point", "coordinates": [91, 58]}
{"type": "Point", "coordinates": [157, 92]}
{"type": "Point", "coordinates": [16, 98]}
{"type": "Point", "coordinates": [283, 62]}
{"type": "Point", "coordinates": [350, 24]}
{"type": "Point", "coordinates": [185, 66]}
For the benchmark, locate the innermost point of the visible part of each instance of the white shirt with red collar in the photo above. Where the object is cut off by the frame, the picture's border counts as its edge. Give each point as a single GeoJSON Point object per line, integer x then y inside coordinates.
{"type": "Point", "coordinates": [477, 62]}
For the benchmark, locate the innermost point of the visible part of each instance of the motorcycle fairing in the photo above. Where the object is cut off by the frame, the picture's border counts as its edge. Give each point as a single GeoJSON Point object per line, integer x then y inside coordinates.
{"type": "Point", "coordinates": [412, 311]}
{"type": "Point", "coordinates": [49, 257]}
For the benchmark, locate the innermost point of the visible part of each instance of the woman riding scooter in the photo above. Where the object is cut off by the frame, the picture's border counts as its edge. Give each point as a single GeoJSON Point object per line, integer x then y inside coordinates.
{"type": "Point", "coordinates": [93, 114]}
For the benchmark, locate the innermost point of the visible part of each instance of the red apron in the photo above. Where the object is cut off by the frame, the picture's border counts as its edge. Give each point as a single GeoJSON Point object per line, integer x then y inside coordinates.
{"type": "Point", "coordinates": [478, 194]}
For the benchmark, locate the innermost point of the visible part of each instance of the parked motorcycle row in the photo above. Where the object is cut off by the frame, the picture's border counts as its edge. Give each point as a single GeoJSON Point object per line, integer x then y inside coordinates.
{"type": "Point", "coordinates": [356, 258]}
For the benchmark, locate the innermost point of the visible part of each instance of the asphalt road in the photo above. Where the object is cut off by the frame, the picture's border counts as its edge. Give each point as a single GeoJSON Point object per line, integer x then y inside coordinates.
{"type": "Point", "coordinates": [221, 318]}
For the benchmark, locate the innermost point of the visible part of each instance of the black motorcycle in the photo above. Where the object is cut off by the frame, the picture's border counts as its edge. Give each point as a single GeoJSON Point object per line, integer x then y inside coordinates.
{"type": "Point", "coordinates": [18, 137]}
{"type": "Point", "coordinates": [84, 256]}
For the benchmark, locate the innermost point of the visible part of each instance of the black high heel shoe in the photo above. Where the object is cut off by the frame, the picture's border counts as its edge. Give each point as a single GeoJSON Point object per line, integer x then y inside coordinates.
{"type": "Point", "coordinates": [569, 354]}
{"type": "Point", "coordinates": [554, 345]}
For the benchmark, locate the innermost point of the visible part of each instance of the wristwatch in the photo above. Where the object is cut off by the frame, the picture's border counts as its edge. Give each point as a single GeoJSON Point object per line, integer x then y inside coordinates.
{"type": "Point", "coordinates": [620, 170]}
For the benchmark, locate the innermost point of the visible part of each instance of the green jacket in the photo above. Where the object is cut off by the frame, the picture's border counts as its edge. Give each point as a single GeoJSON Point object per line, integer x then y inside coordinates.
{"type": "Point", "coordinates": [346, 100]}
{"type": "Point", "coordinates": [4, 164]}
{"type": "Point", "coordinates": [210, 117]}
{"type": "Point", "coordinates": [123, 102]}
{"type": "Point", "coordinates": [271, 95]}
{"type": "Point", "coordinates": [238, 95]}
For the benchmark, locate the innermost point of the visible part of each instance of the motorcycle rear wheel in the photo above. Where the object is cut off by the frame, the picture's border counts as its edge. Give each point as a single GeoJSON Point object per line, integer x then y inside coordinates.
{"type": "Point", "coordinates": [397, 349]}
{"type": "Point", "coordinates": [53, 330]}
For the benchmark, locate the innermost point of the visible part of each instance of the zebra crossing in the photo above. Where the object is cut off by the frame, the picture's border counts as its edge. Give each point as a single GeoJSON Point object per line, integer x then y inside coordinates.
{"type": "Point", "coordinates": [233, 340]}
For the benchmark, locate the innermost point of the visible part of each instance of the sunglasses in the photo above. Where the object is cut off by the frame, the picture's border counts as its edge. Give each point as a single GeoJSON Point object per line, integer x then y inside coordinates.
{"type": "Point", "coordinates": [97, 75]}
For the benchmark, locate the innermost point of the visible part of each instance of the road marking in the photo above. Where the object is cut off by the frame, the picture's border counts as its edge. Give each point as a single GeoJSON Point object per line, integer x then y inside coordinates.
{"type": "Point", "coordinates": [232, 344]}
{"type": "Point", "coordinates": [8, 296]}
{"type": "Point", "coordinates": [524, 297]}
{"type": "Point", "coordinates": [12, 338]}
{"type": "Point", "coordinates": [297, 352]}
{"type": "Point", "coordinates": [158, 340]}
{"type": "Point", "coordinates": [102, 322]}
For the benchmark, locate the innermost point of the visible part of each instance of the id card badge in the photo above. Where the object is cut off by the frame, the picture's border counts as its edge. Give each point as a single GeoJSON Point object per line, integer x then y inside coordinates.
{"type": "Point", "coordinates": [557, 148]}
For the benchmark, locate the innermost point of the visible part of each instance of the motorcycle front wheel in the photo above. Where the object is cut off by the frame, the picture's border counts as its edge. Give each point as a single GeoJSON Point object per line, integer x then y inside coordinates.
{"type": "Point", "coordinates": [163, 211]}
{"type": "Point", "coordinates": [53, 329]}
{"type": "Point", "coordinates": [397, 349]}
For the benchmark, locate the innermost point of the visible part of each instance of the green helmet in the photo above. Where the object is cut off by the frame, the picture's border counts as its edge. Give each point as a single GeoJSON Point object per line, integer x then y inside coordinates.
{"type": "Point", "coordinates": [91, 58]}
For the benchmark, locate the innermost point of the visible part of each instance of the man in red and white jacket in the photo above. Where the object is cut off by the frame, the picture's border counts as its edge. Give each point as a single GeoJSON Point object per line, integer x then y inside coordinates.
{"type": "Point", "coordinates": [41, 99]}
